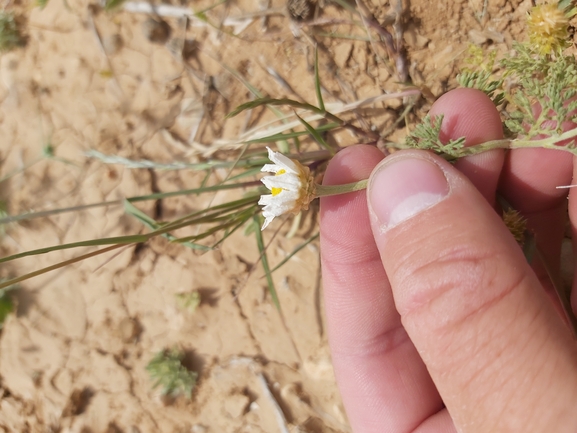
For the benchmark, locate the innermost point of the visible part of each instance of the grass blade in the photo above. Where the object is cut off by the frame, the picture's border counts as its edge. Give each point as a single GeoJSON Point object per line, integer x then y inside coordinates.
{"type": "Point", "coordinates": [293, 252]}
{"type": "Point", "coordinates": [271, 101]}
{"type": "Point", "coordinates": [119, 240]}
{"type": "Point", "coordinates": [153, 225]}
{"type": "Point", "coordinates": [63, 264]}
{"type": "Point", "coordinates": [155, 196]}
{"type": "Point", "coordinates": [293, 134]}
{"type": "Point", "coordinates": [264, 261]}
{"type": "Point", "coordinates": [315, 134]}
{"type": "Point", "coordinates": [318, 81]}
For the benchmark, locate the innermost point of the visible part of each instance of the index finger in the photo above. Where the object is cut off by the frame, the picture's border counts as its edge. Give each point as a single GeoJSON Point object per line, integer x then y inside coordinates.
{"type": "Point", "coordinates": [383, 382]}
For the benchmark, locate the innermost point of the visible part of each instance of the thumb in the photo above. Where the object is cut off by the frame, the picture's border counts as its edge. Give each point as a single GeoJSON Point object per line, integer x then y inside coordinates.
{"type": "Point", "coordinates": [500, 356]}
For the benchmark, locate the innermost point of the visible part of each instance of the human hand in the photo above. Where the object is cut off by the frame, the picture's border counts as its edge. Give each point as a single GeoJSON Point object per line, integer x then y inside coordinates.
{"type": "Point", "coordinates": [436, 322]}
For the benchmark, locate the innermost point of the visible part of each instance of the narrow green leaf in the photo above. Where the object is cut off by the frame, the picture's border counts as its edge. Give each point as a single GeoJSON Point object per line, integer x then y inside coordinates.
{"type": "Point", "coordinates": [292, 135]}
{"type": "Point", "coordinates": [228, 222]}
{"type": "Point", "coordinates": [293, 252]}
{"type": "Point", "coordinates": [271, 101]}
{"type": "Point", "coordinates": [232, 230]}
{"type": "Point", "coordinates": [318, 137]}
{"type": "Point", "coordinates": [318, 81]}
{"type": "Point", "coordinates": [130, 209]}
{"type": "Point", "coordinates": [155, 196]}
{"type": "Point", "coordinates": [297, 144]}
{"type": "Point", "coordinates": [201, 216]}
{"type": "Point", "coordinates": [264, 261]}
{"type": "Point", "coordinates": [153, 225]}
{"type": "Point", "coordinates": [119, 240]}
{"type": "Point", "coordinates": [63, 264]}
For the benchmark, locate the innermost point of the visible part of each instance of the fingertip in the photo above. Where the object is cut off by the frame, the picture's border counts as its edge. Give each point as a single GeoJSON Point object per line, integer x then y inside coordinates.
{"type": "Point", "coordinates": [349, 165]}
{"type": "Point", "coordinates": [352, 164]}
{"type": "Point", "coordinates": [471, 114]}
{"type": "Point", "coordinates": [468, 113]}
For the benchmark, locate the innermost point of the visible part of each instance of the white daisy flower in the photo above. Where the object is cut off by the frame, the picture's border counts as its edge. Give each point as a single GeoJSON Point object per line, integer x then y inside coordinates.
{"type": "Point", "coordinates": [292, 187]}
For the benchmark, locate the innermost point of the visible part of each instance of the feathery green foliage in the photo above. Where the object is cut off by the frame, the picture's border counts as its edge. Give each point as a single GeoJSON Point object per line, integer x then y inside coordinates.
{"type": "Point", "coordinates": [426, 136]}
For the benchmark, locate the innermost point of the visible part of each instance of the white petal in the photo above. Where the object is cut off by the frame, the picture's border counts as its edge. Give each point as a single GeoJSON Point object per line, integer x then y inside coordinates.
{"type": "Point", "coordinates": [275, 205]}
{"type": "Point", "coordinates": [267, 220]}
{"type": "Point", "coordinates": [266, 200]}
{"type": "Point", "coordinates": [279, 204]}
{"type": "Point", "coordinates": [291, 183]}
{"type": "Point", "coordinates": [271, 168]}
{"type": "Point", "coordinates": [285, 162]}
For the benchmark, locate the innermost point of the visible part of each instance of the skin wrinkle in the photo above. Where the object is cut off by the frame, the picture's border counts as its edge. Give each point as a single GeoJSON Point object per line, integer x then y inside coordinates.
{"type": "Point", "coordinates": [444, 332]}
{"type": "Point", "coordinates": [339, 274]}
{"type": "Point", "coordinates": [448, 264]}
{"type": "Point", "coordinates": [482, 341]}
{"type": "Point", "coordinates": [527, 343]}
{"type": "Point", "coordinates": [380, 344]}
{"type": "Point", "coordinates": [479, 344]}
{"type": "Point", "coordinates": [343, 254]}
{"type": "Point", "coordinates": [404, 265]}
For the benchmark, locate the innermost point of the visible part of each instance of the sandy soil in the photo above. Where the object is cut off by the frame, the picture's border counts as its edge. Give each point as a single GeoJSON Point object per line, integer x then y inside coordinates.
{"type": "Point", "coordinates": [73, 357]}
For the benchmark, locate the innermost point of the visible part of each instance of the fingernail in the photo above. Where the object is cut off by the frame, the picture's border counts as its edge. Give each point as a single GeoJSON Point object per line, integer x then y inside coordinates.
{"type": "Point", "coordinates": [404, 187]}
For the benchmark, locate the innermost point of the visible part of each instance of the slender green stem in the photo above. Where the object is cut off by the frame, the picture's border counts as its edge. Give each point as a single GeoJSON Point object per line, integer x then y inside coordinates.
{"type": "Point", "coordinates": [545, 143]}
{"type": "Point", "coordinates": [326, 190]}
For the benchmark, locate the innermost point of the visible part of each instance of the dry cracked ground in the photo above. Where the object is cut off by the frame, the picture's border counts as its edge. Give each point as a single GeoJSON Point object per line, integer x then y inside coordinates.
{"type": "Point", "coordinates": [73, 354]}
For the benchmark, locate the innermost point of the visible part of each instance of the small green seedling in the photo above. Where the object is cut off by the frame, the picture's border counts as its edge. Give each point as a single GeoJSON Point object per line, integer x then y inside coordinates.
{"type": "Point", "coordinates": [188, 301]}
{"type": "Point", "coordinates": [10, 36]}
{"type": "Point", "coordinates": [168, 373]}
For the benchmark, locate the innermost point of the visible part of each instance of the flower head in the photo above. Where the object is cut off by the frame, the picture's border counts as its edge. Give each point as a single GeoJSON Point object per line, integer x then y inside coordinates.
{"type": "Point", "coordinates": [548, 28]}
{"type": "Point", "coordinates": [292, 187]}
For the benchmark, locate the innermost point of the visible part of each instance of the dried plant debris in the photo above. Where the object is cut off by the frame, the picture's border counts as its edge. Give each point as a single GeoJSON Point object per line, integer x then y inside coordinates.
{"type": "Point", "coordinates": [516, 224]}
{"type": "Point", "coordinates": [301, 10]}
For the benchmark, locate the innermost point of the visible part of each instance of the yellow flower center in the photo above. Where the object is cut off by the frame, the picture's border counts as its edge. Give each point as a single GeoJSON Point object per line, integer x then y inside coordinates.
{"type": "Point", "coordinates": [277, 191]}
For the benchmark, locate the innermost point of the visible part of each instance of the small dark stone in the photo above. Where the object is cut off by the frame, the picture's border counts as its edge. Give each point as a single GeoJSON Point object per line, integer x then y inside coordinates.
{"type": "Point", "coordinates": [156, 30]}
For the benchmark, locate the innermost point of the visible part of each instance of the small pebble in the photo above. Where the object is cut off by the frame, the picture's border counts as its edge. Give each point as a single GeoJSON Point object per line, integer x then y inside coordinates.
{"type": "Point", "coordinates": [156, 30]}
{"type": "Point", "coordinates": [128, 329]}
